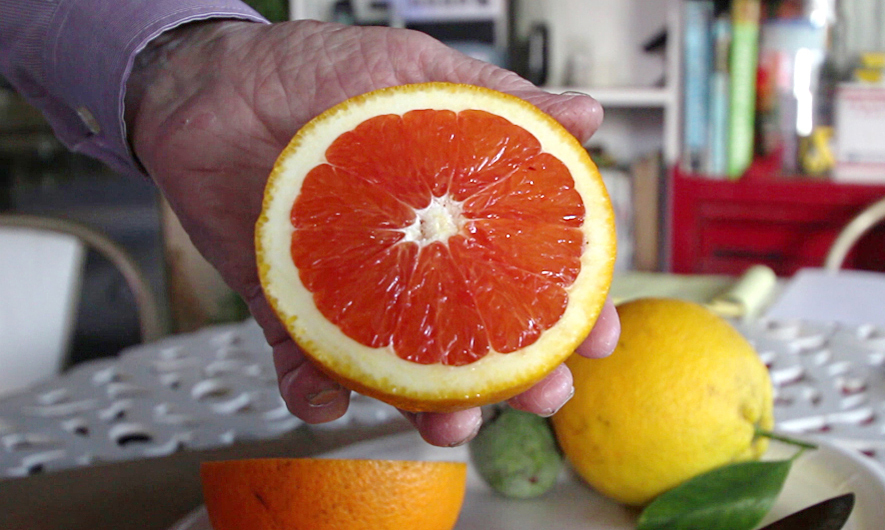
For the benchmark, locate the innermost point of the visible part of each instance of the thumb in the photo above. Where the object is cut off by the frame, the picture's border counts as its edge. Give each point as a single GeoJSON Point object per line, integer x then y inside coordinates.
{"type": "Point", "coordinates": [579, 113]}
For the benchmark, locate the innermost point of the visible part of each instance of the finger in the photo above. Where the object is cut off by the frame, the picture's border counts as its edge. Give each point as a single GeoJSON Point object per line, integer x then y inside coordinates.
{"type": "Point", "coordinates": [446, 429]}
{"type": "Point", "coordinates": [308, 393]}
{"type": "Point", "coordinates": [548, 396]}
{"type": "Point", "coordinates": [579, 113]}
{"type": "Point", "coordinates": [603, 338]}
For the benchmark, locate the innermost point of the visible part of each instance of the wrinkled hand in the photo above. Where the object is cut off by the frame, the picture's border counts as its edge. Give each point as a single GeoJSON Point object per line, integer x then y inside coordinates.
{"type": "Point", "coordinates": [212, 109]}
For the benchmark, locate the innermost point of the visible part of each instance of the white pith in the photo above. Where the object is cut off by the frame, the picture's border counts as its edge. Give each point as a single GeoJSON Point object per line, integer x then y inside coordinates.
{"type": "Point", "coordinates": [381, 368]}
{"type": "Point", "coordinates": [439, 221]}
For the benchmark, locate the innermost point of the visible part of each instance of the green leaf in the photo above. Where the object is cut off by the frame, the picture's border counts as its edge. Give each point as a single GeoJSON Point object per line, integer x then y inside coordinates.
{"type": "Point", "coordinates": [273, 10]}
{"type": "Point", "coordinates": [732, 497]}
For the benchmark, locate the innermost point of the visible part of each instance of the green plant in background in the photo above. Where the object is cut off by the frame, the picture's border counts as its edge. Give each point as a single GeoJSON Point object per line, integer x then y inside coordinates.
{"type": "Point", "coordinates": [273, 10]}
{"type": "Point", "coordinates": [231, 308]}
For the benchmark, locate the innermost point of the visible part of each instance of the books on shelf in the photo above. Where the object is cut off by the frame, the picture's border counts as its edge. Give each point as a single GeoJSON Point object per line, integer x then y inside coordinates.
{"type": "Point", "coordinates": [720, 58]}
{"type": "Point", "coordinates": [770, 84]}
{"type": "Point", "coordinates": [720, 87]}
{"type": "Point", "coordinates": [697, 47]}
{"type": "Point", "coordinates": [619, 184]}
{"type": "Point", "coordinates": [647, 175]}
{"type": "Point", "coordinates": [744, 57]}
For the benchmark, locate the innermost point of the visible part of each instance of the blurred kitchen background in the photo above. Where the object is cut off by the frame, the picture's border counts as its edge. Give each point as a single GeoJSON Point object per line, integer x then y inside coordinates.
{"type": "Point", "coordinates": [39, 176]}
{"type": "Point", "coordinates": [627, 54]}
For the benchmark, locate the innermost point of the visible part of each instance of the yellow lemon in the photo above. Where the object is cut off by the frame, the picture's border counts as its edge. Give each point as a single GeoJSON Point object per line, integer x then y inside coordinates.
{"type": "Point", "coordinates": [683, 393]}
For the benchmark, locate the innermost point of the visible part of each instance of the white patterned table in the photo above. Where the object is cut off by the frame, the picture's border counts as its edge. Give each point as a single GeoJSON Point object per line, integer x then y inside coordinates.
{"type": "Point", "coordinates": [829, 380]}
{"type": "Point", "coordinates": [201, 390]}
{"type": "Point", "coordinates": [217, 386]}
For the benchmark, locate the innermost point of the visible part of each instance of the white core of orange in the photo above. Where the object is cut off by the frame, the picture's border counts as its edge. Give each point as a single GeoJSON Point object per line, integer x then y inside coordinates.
{"type": "Point", "coordinates": [438, 221]}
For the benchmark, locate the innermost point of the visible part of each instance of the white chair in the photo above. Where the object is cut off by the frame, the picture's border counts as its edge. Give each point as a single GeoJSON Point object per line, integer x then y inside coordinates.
{"type": "Point", "coordinates": [851, 234]}
{"type": "Point", "coordinates": [41, 267]}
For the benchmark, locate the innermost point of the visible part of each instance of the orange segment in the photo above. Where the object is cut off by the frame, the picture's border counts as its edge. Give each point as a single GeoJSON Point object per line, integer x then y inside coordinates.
{"type": "Point", "coordinates": [329, 494]}
{"type": "Point", "coordinates": [436, 246]}
{"type": "Point", "coordinates": [525, 195]}
{"type": "Point", "coordinates": [515, 305]}
{"type": "Point", "coordinates": [490, 149]}
{"type": "Point", "coordinates": [374, 153]}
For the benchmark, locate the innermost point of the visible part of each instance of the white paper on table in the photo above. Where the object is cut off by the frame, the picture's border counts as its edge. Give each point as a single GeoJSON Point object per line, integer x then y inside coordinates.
{"type": "Point", "coordinates": [847, 296]}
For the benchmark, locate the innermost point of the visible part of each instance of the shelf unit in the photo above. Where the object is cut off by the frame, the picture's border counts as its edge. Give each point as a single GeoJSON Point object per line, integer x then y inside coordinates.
{"type": "Point", "coordinates": [640, 116]}
{"type": "Point", "coordinates": [724, 227]}
{"type": "Point", "coordinates": [622, 104]}
{"type": "Point", "coordinates": [626, 97]}
{"type": "Point", "coordinates": [766, 216]}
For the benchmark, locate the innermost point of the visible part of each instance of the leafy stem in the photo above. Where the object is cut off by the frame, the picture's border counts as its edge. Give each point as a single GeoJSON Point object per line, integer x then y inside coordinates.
{"type": "Point", "coordinates": [782, 438]}
{"type": "Point", "coordinates": [732, 497]}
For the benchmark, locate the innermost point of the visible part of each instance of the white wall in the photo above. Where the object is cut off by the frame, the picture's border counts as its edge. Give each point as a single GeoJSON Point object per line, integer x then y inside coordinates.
{"type": "Point", "coordinates": [610, 33]}
{"type": "Point", "coordinates": [314, 9]}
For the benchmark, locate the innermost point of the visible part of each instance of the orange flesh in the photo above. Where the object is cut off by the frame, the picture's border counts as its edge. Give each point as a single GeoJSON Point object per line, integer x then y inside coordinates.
{"type": "Point", "coordinates": [499, 277]}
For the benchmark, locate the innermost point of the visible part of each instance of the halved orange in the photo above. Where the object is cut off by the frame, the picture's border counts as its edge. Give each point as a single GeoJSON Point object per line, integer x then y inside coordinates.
{"type": "Point", "coordinates": [332, 494]}
{"type": "Point", "coordinates": [436, 246]}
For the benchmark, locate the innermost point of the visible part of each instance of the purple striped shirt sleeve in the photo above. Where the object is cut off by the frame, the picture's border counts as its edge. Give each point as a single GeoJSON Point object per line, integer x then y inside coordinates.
{"type": "Point", "coordinates": [72, 58]}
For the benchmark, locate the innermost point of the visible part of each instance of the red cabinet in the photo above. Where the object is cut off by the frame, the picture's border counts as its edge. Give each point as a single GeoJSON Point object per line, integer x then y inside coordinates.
{"type": "Point", "coordinates": [723, 227]}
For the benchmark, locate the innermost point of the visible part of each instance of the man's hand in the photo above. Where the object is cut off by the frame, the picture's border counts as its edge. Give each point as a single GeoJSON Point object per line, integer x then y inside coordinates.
{"type": "Point", "coordinates": [210, 109]}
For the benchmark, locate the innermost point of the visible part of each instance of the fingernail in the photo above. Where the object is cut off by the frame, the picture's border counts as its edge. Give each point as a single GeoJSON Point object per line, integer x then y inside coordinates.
{"type": "Point", "coordinates": [571, 394]}
{"type": "Point", "coordinates": [324, 397]}
{"type": "Point", "coordinates": [469, 437]}
{"type": "Point", "coordinates": [574, 93]}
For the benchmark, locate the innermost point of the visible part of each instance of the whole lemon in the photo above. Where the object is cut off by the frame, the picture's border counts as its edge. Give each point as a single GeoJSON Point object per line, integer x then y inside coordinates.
{"type": "Point", "coordinates": [683, 393]}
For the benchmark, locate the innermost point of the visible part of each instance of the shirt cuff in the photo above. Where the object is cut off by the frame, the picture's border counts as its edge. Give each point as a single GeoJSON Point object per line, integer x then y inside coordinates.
{"type": "Point", "coordinates": [89, 52]}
